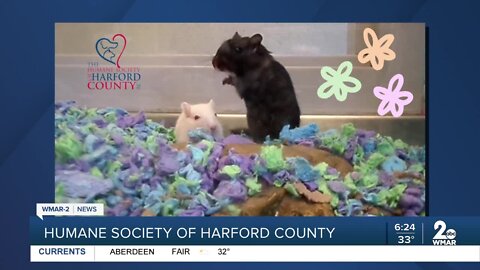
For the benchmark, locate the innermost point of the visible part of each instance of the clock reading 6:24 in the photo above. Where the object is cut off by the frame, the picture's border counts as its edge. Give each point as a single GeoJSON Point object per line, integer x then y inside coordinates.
{"type": "Point", "coordinates": [405, 227]}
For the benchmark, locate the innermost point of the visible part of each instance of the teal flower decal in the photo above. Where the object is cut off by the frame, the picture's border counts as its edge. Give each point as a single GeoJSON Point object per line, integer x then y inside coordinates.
{"type": "Point", "coordinates": [338, 82]}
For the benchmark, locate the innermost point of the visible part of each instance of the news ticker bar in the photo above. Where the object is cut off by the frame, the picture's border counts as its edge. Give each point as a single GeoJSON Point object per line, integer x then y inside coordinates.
{"type": "Point", "coordinates": [94, 231]}
{"type": "Point", "coordinates": [255, 253]}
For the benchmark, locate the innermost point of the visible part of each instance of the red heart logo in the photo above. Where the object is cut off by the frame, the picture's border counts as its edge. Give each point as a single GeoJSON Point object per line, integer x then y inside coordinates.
{"type": "Point", "coordinates": [124, 45]}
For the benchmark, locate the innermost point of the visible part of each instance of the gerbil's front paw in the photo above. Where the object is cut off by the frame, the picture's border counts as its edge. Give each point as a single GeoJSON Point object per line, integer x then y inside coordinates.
{"type": "Point", "coordinates": [228, 80]}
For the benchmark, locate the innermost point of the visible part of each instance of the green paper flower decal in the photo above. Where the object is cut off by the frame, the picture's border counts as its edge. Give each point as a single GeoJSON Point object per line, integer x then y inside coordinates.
{"type": "Point", "coordinates": [338, 82]}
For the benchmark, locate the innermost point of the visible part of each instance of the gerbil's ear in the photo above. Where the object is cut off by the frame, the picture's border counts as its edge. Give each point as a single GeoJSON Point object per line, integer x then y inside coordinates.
{"type": "Point", "coordinates": [211, 103]}
{"type": "Point", "coordinates": [186, 109]}
{"type": "Point", "coordinates": [256, 39]}
{"type": "Point", "coordinates": [236, 35]}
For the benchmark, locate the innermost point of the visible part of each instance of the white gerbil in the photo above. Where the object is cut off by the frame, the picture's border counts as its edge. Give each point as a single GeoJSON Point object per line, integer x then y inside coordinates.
{"type": "Point", "coordinates": [195, 116]}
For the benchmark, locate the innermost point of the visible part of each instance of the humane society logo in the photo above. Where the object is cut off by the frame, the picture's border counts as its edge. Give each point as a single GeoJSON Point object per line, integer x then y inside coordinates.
{"type": "Point", "coordinates": [112, 75]}
{"type": "Point", "coordinates": [107, 49]}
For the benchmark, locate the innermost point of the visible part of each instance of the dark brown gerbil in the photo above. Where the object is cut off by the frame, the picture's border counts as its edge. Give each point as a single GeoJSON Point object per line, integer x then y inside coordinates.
{"type": "Point", "coordinates": [263, 83]}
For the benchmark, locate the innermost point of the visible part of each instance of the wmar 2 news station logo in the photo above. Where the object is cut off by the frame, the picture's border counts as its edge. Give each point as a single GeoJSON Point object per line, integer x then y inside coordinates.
{"type": "Point", "coordinates": [444, 236]}
{"type": "Point", "coordinates": [112, 75]}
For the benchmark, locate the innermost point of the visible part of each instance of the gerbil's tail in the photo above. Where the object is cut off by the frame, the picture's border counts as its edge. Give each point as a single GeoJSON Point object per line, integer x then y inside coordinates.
{"type": "Point", "coordinates": [241, 131]}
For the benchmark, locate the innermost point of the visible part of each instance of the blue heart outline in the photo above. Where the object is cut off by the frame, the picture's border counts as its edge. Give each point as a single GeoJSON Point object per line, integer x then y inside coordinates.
{"type": "Point", "coordinates": [101, 56]}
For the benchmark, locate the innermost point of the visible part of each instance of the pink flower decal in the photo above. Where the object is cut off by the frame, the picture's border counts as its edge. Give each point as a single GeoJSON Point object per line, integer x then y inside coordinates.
{"type": "Point", "coordinates": [378, 51]}
{"type": "Point", "coordinates": [393, 99]}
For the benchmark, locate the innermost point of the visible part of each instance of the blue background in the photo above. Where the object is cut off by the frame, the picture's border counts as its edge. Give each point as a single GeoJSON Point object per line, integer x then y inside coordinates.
{"type": "Point", "coordinates": [27, 95]}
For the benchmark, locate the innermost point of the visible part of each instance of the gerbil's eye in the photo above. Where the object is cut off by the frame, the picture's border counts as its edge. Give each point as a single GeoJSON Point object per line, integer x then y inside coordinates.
{"type": "Point", "coordinates": [238, 49]}
{"type": "Point", "coordinates": [196, 117]}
